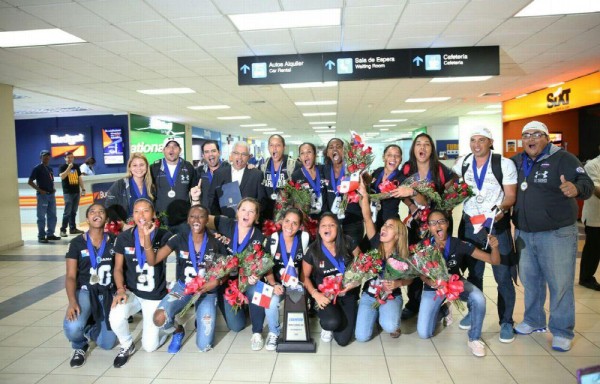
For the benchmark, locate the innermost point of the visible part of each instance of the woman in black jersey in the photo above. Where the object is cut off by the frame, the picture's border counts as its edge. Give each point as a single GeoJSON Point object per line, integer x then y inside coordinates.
{"type": "Point", "coordinates": [310, 176]}
{"type": "Point", "coordinates": [329, 255]}
{"type": "Point", "coordinates": [195, 250]}
{"type": "Point", "coordinates": [237, 235]}
{"type": "Point", "coordinates": [89, 285]}
{"type": "Point", "coordinates": [140, 286]}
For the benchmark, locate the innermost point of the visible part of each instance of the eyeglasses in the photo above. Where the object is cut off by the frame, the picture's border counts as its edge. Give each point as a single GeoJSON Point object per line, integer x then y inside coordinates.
{"type": "Point", "coordinates": [244, 154]}
{"type": "Point", "coordinates": [437, 222]}
{"type": "Point", "coordinates": [535, 135]}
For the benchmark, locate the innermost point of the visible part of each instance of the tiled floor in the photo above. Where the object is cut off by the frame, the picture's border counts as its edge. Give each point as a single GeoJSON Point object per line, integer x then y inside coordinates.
{"type": "Point", "coordinates": [33, 348]}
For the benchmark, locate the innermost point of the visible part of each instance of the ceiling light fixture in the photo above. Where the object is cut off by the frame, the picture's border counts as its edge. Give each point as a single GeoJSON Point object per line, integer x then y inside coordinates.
{"type": "Point", "coordinates": [310, 85]}
{"type": "Point", "coordinates": [252, 125]}
{"type": "Point", "coordinates": [166, 91]}
{"type": "Point", "coordinates": [321, 122]}
{"type": "Point", "coordinates": [494, 106]}
{"type": "Point", "coordinates": [384, 125]}
{"type": "Point", "coordinates": [427, 99]}
{"type": "Point", "coordinates": [287, 19]}
{"type": "Point", "coordinates": [264, 129]}
{"type": "Point", "coordinates": [234, 117]}
{"type": "Point", "coordinates": [558, 7]}
{"type": "Point", "coordinates": [521, 96]}
{"type": "Point", "coordinates": [309, 103]}
{"type": "Point", "coordinates": [482, 112]}
{"type": "Point", "coordinates": [208, 107]}
{"type": "Point", "coordinates": [311, 114]}
{"type": "Point", "coordinates": [462, 79]}
{"type": "Point", "coordinates": [37, 37]}
{"type": "Point", "coordinates": [408, 110]}
{"type": "Point", "coordinates": [392, 120]}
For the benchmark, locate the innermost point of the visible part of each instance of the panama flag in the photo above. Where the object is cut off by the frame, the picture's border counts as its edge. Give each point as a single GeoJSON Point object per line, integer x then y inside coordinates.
{"type": "Point", "coordinates": [262, 294]}
{"type": "Point", "coordinates": [349, 183]}
{"type": "Point", "coordinates": [481, 221]}
{"type": "Point", "coordinates": [289, 276]}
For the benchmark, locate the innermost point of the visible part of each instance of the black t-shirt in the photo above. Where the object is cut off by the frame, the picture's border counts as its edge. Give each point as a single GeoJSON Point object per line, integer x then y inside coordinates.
{"type": "Point", "coordinates": [389, 207]}
{"type": "Point", "coordinates": [299, 177]}
{"type": "Point", "coordinates": [78, 250]}
{"type": "Point", "coordinates": [322, 267]}
{"type": "Point", "coordinates": [70, 184]}
{"type": "Point", "coordinates": [275, 246]}
{"type": "Point", "coordinates": [153, 286]}
{"type": "Point", "coordinates": [353, 212]}
{"type": "Point", "coordinates": [226, 227]}
{"type": "Point", "coordinates": [44, 178]}
{"type": "Point", "coordinates": [370, 286]}
{"type": "Point", "coordinates": [457, 251]}
{"type": "Point", "coordinates": [185, 267]}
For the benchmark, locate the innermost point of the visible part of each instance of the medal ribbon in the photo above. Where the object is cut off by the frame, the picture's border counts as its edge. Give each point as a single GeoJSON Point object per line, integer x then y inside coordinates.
{"type": "Point", "coordinates": [275, 175]}
{"type": "Point", "coordinates": [333, 260]}
{"type": "Point", "coordinates": [171, 179]}
{"type": "Point", "coordinates": [479, 178]}
{"type": "Point", "coordinates": [141, 256]}
{"type": "Point", "coordinates": [284, 254]}
{"type": "Point", "coordinates": [237, 248]}
{"type": "Point", "coordinates": [380, 179]}
{"type": "Point", "coordinates": [446, 247]}
{"type": "Point", "coordinates": [93, 255]}
{"type": "Point", "coordinates": [192, 249]}
{"type": "Point", "coordinates": [314, 184]}
{"type": "Point", "coordinates": [136, 190]}
{"type": "Point", "coordinates": [336, 182]}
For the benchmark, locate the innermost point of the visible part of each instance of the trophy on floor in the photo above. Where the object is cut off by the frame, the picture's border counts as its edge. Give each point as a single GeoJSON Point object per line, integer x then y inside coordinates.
{"type": "Point", "coordinates": [296, 335]}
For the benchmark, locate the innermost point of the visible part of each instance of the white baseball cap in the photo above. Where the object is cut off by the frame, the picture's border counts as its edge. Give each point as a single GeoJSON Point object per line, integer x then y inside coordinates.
{"type": "Point", "coordinates": [482, 131]}
{"type": "Point", "coordinates": [535, 126]}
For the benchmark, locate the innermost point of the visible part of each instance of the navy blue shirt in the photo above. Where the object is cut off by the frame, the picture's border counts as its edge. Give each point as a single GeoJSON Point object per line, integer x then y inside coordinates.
{"type": "Point", "coordinates": [44, 178]}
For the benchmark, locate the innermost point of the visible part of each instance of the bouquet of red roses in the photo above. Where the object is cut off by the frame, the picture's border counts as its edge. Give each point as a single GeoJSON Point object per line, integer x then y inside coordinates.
{"type": "Point", "coordinates": [429, 261]}
{"type": "Point", "coordinates": [455, 195]}
{"type": "Point", "coordinates": [292, 195]}
{"type": "Point", "coordinates": [357, 156]}
{"type": "Point", "coordinates": [395, 268]}
{"type": "Point", "coordinates": [270, 227]}
{"type": "Point", "coordinates": [385, 189]}
{"type": "Point", "coordinates": [364, 267]}
{"type": "Point", "coordinates": [234, 296]}
{"type": "Point", "coordinates": [193, 287]}
{"type": "Point", "coordinates": [331, 286]}
{"type": "Point", "coordinates": [222, 267]}
{"type": "Point", "coordinates": [253, 261]}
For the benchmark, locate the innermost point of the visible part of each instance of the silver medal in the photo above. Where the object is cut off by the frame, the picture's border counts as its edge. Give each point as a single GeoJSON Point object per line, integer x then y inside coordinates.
{"type": "Point", "coordinates": [171, 194]}
{"type": "Point", "coordinates": [274, 196]}
{"type": "Point", "coordinates": [318, 205]}
{"type": "Point", "coordinates": [142, 279]}
{"type": "Point", "coordinates": [335, 208]}
{"type": "Point", "coordinates": [479, 198]}
{"type": "Point", "coordinates": [524, 186]}
{"type": "Point", "coordinates": [94, 279]}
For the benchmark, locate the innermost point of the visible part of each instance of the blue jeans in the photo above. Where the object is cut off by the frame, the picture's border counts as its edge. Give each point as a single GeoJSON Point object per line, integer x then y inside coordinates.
{"type": "Point", "coordinates": [272, 314]}
{"type": "Point", "coordinates": [71, 207]}
{"type": "Point", "coordinates": [388, 313]}
{"type": "Point", "coordinates": [548, 259]}
{"type": "Point", "coordinates": [236, 321]}
{"type": "Point", "coordinates": [257, 313]}
{"type": "Point", "coordinates": [430, 307]}
{"type": "Point", "coordinates": [76, 330]}
{"type": "Point", "coordinates": [506, 289]}
{"type": "Point", "coordinates": [46, 208]}
{"type": "Point", "coordinates": [206, 314]}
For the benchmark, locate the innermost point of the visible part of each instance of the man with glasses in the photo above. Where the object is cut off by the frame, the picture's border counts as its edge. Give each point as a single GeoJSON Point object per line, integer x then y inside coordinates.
{"type": "Point", "coordinates": [231, 184]}
{"type": "Point", "coordinates": [545, 215]}
{"type": "Point", "coordinates": [494, 182]}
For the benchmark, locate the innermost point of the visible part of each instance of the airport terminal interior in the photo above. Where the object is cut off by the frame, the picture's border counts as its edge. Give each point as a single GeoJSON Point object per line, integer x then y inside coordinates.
{"type": "Point", "coordinates": [135, 72]}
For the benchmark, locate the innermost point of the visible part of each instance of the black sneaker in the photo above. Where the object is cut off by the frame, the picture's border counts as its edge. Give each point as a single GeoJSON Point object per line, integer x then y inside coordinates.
{"type": "Point", "coordinates": [43, 240]}
{"type": "Point", "coordinates": [53, 237]}
{"type": "Point", "coordinates": [75, 231]}
{"type": "Point", "coordinates": [123, 356]}
{"type": "Point", "coordinates": [79, 356]}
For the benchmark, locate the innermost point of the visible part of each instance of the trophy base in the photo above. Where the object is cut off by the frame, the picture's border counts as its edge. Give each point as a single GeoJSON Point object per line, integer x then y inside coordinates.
{"type": "Point", "coordinates": [297, 346]}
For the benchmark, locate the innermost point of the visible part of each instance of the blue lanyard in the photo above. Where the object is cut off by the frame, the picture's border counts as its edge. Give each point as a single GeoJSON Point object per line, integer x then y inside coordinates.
{"type": "Point", "coordinates": [237, 248]}
{"type": "Point", "coordinates": [336, 182]}
{"type": "Point", "coordinates": [333, 260]}
{"type": "Point", "coordinates": [171, 179]}
{"type": "Point", "coordinates": [95, 258]}
{"type": "Point", "coordinates": [136, 190]}
{"type": "Point", "coordinates": [141, 256]}
{"type": "Point", "coordinates": [314, 184]}
{"type": "Point", "coordinates": [284, 254]}
{"type": "Point", "coordinates": [446, 247]}
{"type": "Point", "coordinates": [479, 178]}
{"type": "Point", "coordinates": [192, 250]}
{"type": "Point", "coordinates": [428, 177]}
{"type": "Point", "coordinates": [380, 178]}
{"type": "Point", "coordinates": [275, 175]}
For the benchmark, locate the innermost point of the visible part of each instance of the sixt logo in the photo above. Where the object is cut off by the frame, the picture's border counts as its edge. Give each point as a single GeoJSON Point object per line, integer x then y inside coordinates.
{"type": "Point", "coordinates": [558, 98]}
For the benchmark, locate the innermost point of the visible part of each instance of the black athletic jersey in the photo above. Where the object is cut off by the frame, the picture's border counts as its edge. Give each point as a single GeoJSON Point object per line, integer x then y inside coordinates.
{"type": "Point", "coordinates": [184, 270]}
{"type": "Point", "coordinates": [322, 267]}
{"type": "Point", "coordinates": [275, 249]}
{"type": "Point", "coordinates": [353, 212]}
{"type": "Point", "coordinates": [226, 227]}
{"type": "Point", "coordinates": [78, 250]}
{"type": "Point", "coordinates": [317, 204]}
{"type": "Point", "coordinates": [457, 251]}
{"type": "Point", "coordinates": [370, 286]}
{"type": "Point", "coordinates": [154, 285]}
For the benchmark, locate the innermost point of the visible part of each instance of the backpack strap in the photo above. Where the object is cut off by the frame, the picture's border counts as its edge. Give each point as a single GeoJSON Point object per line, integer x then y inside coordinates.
{"type": "Point", "coordinates": [441, 173]}
{"type": "Point", "coordinates": [465, 165]}
{"type": "Point", "coordinates": [497, 168]}
{"type": "Point", "coordinates": [274, 243]}
{"type": "Point", "coordinates": [305, 237]}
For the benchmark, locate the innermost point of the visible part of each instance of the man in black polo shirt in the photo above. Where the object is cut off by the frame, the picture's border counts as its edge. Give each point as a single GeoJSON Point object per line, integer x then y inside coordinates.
{"type": "Point", "coordinates": [173, 177]}
{"type": "Point", "coordinates": [46, 200]}
{"type": "Point", "coordinates": [70, 176]}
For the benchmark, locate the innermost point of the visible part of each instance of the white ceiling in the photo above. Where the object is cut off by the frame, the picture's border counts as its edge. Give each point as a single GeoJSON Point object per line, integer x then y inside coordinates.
{"type": "Point", "coordinates": [145, 44]}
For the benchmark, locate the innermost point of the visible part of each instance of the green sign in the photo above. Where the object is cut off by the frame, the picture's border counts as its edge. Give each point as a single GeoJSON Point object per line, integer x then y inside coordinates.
{"type": "Point", "coordinates": [148, 135]}
{"type": "Point", "coordinates": [418, 131]}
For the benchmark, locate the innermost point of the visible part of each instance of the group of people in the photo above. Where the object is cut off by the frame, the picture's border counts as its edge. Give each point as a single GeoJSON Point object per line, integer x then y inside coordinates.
{"type": "Point", "coordinates": [109, 279]}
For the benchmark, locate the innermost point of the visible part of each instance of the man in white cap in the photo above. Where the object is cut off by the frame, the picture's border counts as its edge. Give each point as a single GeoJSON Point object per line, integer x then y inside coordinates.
{"type": "Point", "coordinates": [545, 216]}
{"type": "Point", "coordinates": [494, 182]}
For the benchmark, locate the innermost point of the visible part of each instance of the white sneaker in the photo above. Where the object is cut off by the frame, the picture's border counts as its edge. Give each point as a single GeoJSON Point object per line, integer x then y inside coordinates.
{"type": "Point", "coordinates": [271, 341]}
{"type": "Point", "coordinates": [326, 336]}
{"type": "Point", "coordinates": [477, 347]}
{"type": "Point", "coordinates": [256, 342]}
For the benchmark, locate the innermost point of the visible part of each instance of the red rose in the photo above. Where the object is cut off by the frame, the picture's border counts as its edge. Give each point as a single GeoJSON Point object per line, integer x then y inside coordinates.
{"type": "Point", "coordinates": [256, 247]}
{"type": "Point", "coordinates": [464, 186]}
{"type": "Point", "coordinates": [369, 150]}
{"type": "Point", "coordinates": [362, 165]}
{"type": "Point", "coordinates": [464, 194]}
{"type": "Point", "coordinates": [427, 242]}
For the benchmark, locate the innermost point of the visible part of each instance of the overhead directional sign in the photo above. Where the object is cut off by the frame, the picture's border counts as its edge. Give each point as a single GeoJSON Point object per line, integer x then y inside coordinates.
{"type": "Point", "coordinates": [366, 65]}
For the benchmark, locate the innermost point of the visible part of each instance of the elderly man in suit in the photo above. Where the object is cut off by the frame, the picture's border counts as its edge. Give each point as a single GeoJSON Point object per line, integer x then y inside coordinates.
{"type": "Point", "coordinates": [222, 194]}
